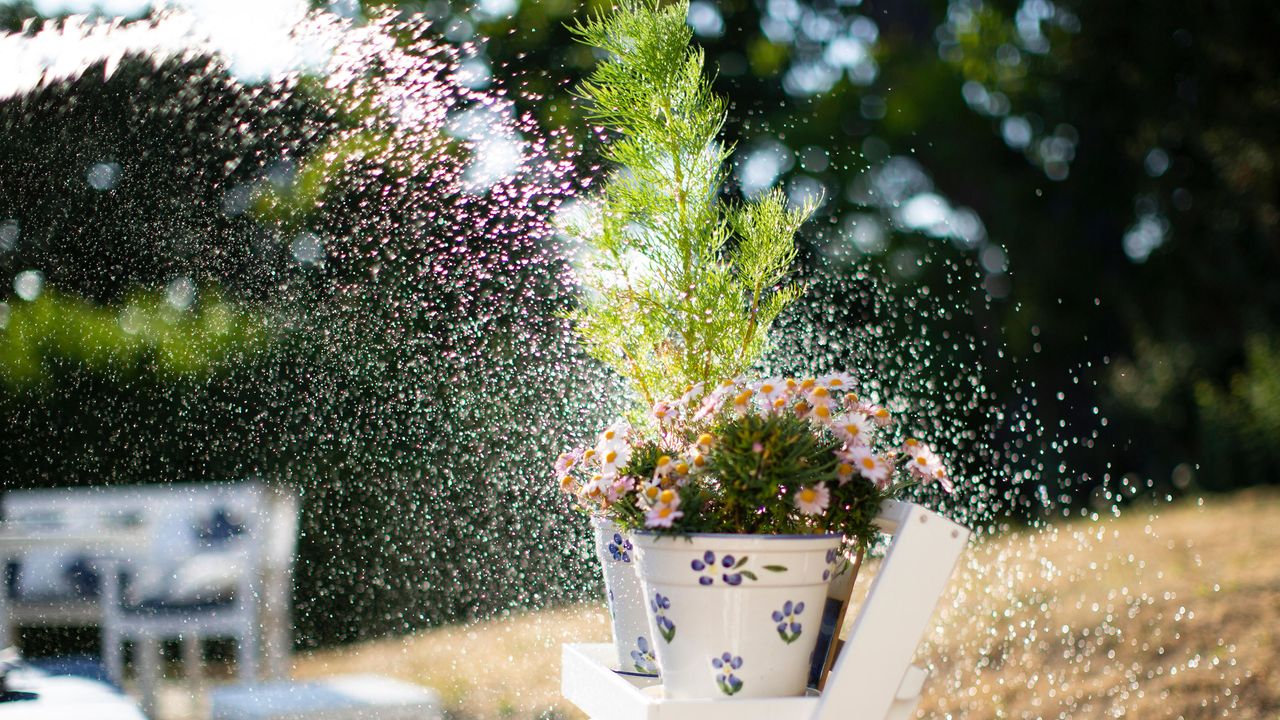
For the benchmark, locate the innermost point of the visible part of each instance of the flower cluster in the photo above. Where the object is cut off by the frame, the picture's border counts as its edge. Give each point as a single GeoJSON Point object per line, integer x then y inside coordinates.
{"type": "Point", "coordinates": [774, 454]}
{"type": "Point", "coordinates": [600, 476]}
{"type": "Point", "coordinates": [591, 474]}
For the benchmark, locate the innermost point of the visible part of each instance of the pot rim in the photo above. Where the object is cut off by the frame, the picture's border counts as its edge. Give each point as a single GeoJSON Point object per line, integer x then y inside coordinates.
{"type": "Point", "coordinates": [654, 540]}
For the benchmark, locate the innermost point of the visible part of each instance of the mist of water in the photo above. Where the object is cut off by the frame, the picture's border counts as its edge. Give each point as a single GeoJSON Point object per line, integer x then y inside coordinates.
{"type": "Point", "coordinates": [390, 229]}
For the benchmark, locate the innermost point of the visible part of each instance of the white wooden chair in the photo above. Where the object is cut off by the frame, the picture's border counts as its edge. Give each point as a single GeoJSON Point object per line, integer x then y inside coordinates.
{"type": "Point", "coordinates": [872, 678]}
{"type": "Point", "coordinates": [256, 614]}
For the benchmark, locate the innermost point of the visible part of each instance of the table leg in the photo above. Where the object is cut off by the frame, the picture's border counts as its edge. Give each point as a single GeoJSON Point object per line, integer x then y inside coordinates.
{"type": "Point", "coordinates": [4, 614]}
{"type": "Point", "coordinates": [148, 659]}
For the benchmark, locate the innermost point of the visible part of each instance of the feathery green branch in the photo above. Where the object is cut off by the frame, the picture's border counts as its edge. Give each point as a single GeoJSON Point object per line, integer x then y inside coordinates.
{"type": "Point", "coordinates": [681, 286]}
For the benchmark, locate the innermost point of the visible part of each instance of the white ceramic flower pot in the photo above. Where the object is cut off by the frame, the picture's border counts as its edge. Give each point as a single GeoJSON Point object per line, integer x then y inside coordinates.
{"type": "Point", "coordinates": [735, 615]}
{"type": "Point", "coordinates": [631, 636]}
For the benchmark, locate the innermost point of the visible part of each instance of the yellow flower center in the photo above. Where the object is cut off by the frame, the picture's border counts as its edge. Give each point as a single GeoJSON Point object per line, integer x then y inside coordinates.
{"type": "Point", "coordinates": [851, 398]}
{"type": "Point", "coordinates": [651, 492]}
{"type": "Point", "coordinates": [820, 392]}
{"type": "Point", "coordinates": [608, 434]}
{"type": "Point", "coordinates": [922, 460]}
{"type": "Point", "coordinates": [836, 382]}
{"type": "Point", "coordinates": [682, 468]}
{"type": "Point", "coordinates": [665, 511]}
{"type": "Point", "coordinates": [742, 398]}
{"type": "Point", "coordinates": [699, 461]}
{"type": "Point", "coordinates": [869, 463]}
{"type": "Point", "coordinates": [791, 384]}
{"type": "Point", "coordinates": [852, 429]}
{"type": "Point", "coordinates": [881, 412]}
{"type": "Point", "coordinates": [664, 461]}
{"type": "Point", "coordinates": [613, 455]}
{"type": "Point", "coordinates": [808, 495]}
{"type": "Point", "coordinates": [808, 383]}
{"type": "Point", "coordinates": [705, 439]}
{"type": "Point", "coordinates": [822, 411]}
{"type": "Point", "coordinates": [801, 408]}
{"type": "Point", "coordinates": [766, 388]}
{"type": "Point", "coordinates": [588, 454]}
{"type": "Point", "coordinates": [844, 468]}
{"type": "Point", "coordinates": [666, 497]}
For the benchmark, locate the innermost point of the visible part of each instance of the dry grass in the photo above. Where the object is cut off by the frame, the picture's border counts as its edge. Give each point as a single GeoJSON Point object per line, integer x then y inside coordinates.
{"type": "Point", "coordinates": [1165, 615]}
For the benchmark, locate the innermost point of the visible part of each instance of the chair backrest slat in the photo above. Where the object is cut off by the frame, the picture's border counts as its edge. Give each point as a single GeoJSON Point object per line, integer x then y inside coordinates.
{"type": "Point", "coordinates": [916, 570]}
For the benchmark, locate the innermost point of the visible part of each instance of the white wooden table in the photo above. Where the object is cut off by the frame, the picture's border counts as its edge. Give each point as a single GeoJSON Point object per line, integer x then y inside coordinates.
{"type": "Point", "coordinates": [872, 678]}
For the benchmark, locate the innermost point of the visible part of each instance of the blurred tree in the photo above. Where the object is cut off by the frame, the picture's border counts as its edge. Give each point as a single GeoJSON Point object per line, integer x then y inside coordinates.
{"type": "Point", "coordinates": [1108, 171]}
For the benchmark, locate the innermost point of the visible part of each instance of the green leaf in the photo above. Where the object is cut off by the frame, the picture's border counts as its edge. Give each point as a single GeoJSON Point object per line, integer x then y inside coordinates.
{"type": "Point", "coordinates": [775, 568]}
{"type": "Point", "coordinates": [749, 575]}
{"type": "Point", "coordinates": [741, 561]}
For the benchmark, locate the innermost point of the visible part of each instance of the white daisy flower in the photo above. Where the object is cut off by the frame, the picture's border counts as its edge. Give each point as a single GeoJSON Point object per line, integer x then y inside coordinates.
{"type": "Point", "coordinates": [819, 400]}
{"type": "Point", "coordinates": [649, 493]}
{"type": "Point", "coordinates": [594, 488]}
{"type": "Point", "coordinates": [844, 469]}
{"type": "Point", "coordinates": [662, 516]}
{"type": "Point", "coordinates": [921, 461]}
{"type": "Point", "coordinates": [665, 511]}
{"type": "Point", "coordinates": [926, 465]}
{"type": "Point", "coordinates": [813, 500]}
{"type": "Point", "coordinates": [663, 468]}
{"type": "Point", "coordinates": [693, 391]}
{"type": "Point", "coordinates": [838, 381]}
{"type": "Point", "coordinates": [854, 428]}
{"type": "Point", "coordinates": [875, 468]}
{"type": "Point", "coordinates": [614, 457]}
{"type": "Point", "coordinates": [567, 461]}
{"type": "Point", "coordinates": [878, 414]}
{"type": "Point", "coordinates": [662, 412]}
{"type": "Point", "coordinates": [617, 486]}
{"type": "Point", "coordinates": [614, 434]}
{"type": "Point", "coordinates": [705, 441]}
{"type": "Point", "coordinates": [771, 389]}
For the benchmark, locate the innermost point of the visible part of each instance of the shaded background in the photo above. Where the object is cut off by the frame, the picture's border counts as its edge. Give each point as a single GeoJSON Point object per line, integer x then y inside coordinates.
{"type": "Point", "coordinates": [1091, 184]}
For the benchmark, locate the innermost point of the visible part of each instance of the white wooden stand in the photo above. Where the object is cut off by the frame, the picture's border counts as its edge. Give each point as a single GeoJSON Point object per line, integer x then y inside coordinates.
{"type": "Point", "coordinates": [872, 679]}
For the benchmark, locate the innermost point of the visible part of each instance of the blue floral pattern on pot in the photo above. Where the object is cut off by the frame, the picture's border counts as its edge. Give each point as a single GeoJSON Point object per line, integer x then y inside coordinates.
{"type": "Point", "coordinates": [643, 658]}
{"type": "Point", "coordinates": [660, 605]}
{"type": "Point", "coordinates": [831, 564]}
{"type": "Point", "coordinates": [788, 620]}
{"type": "Point", "coordinates": [620, 548]}
{"type": "Point", "coordinates": [729, 683]}
{"type": "Point", "coordinates": [706, 566]}
{"type": "Point", "coordinates": [729, 569]}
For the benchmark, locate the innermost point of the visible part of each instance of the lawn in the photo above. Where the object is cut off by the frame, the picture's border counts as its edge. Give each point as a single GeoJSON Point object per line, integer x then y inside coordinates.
{"type": "Point", "coordinates": [1165, 613]}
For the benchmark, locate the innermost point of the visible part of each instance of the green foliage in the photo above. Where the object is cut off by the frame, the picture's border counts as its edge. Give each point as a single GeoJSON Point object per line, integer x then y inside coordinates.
{"type": "Point", "coordinates": [1240, 424]}
{"type": "Point", "coordinates": [681, 286]}
{"type": "Point", "coordinates": [758, 459]}
{"type": "Point", "coordinates": [144, 333]}
{"type": "Point", "coordinates": [755, 467]}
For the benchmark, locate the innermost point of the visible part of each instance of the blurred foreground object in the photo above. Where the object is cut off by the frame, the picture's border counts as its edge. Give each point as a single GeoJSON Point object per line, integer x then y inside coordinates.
{"type": "Point", "coordinates": [155, 563]}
